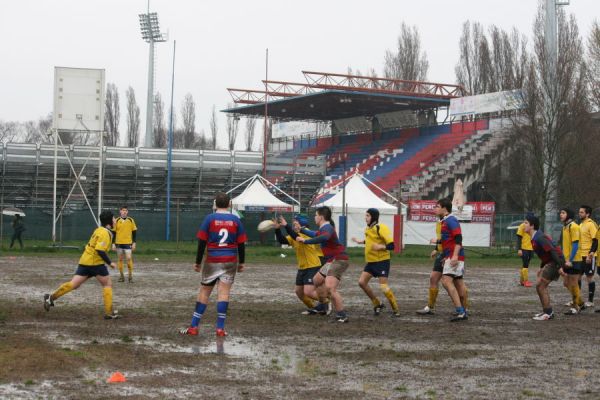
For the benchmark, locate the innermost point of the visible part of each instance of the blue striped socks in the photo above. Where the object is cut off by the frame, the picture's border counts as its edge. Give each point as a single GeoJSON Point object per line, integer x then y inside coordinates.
{"type": "Point", "coordinates": [221, 313]}
{"type": "Point", "coordinates": [200, 308]}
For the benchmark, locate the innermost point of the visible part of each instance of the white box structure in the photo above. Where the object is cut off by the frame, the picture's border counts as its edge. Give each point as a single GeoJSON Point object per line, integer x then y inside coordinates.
{"type": "Point", "coordinates": [78, 99]}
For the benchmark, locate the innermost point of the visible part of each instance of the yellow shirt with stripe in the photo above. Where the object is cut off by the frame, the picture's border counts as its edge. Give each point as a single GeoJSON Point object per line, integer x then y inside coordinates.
{"type": "Point", "coordinates": [101, 240]}
{"type": "Point", "coordinates": [124, 228]}
{"type": "Point", "coordinates": [307, 255]}
{"type": "Point", "coordinates": [372, 236]}
{"type": "Point", "coordinates": [570, 234]}
{"type": "Point", "coordinates": [438, 235]}
{"type": "Point", "coordinates": [525, 238]}
{"type": "Point", "coordinates": [588, 231]}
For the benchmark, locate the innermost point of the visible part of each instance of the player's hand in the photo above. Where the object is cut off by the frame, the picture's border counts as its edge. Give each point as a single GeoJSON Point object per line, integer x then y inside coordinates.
{"type": "Point", "coordinates": [197, 267]}
{"type": "Point", "coordinates": [133, 246]}
{"type": "Point", "coordinates": [113, 265]}
{"type": "Point", "coordinates": [113, 247]}
{"type": "Point", "coordinates": [454, 261]}
{"type": "Point", "coordinates": [355, 240]}
{"type": "Point", "coordinates": [562, 272]}
{"type": "Point", "coordinates": [377, 246]}
{"type": "Point", "coordinates": [588, 259]}
{"type": "Point", "coordinates": [240, 268]}
{"type": "Point", "coordinates": [520, 253]}
{"type": "Point", "coordinates": [300, 239]}
{"type": "Point", "coordinates": [276, 223]}
{"type": "Point", "coordinates": [282, 221]}
{"type": "Point", "coordinates": [568, 264]}
{"type": "Point", "coordinates": [433, 254]}
{"type": "Point", "coordinates": [432, 241]}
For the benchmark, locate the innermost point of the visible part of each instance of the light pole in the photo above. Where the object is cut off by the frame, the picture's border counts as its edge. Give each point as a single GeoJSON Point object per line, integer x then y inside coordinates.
{"type": "Point", "coordinates": [151, 34]}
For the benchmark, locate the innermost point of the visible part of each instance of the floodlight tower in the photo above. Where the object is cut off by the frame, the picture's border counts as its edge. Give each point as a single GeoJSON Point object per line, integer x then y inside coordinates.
{"type": "Point", "coordinates": [151, 34]}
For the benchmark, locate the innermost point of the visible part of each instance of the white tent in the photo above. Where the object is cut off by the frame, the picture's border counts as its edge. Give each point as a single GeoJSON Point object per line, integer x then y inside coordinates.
{"type": "Point", "coordinates": [358, 199]}
{"type": "Point", "coordinates": [256, 197]}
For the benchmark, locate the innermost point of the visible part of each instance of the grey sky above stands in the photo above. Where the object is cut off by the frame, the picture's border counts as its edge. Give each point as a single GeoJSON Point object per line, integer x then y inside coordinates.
{"type": "Point", "coordinates": [222, 43]}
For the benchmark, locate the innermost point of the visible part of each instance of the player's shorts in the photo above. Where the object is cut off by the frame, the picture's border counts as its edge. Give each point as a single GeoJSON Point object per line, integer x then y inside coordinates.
{"type": "Point", "coordinates": [378, 268]}
{"type": "Point", "coordinates": [335, 268]}
{"type": "Point", "coordinates": [588, 269]}
{"type": "Point", "coordinates": [123, 249]}
{"type": "Point", "coordinates": [550, 271]}
{"type": "Point", "coordinates": [213, 272]}
{"type": "Point", "coordinates": [91, 271]}
{"type": "Point", "coordinates": [576, 269]}
{"type": "Point", "coordinates": [438, 263]}
{"type": "Point", "coordinates": [305, 276]}
{"type": "Point", "coordinates": [456, 272]}
{"type": "Point", "coordinates": [526, 257]}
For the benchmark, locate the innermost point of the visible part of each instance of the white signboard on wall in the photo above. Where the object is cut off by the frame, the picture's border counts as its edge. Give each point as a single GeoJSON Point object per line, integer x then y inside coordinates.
{"type": "Point", "coordinates": [78, 99]}
{"type": "Point", "coordinates": [487, 103]}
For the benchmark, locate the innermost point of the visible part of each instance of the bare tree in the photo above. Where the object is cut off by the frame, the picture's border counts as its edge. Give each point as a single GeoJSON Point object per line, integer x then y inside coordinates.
{"type": "Point", "coordinates": [112, 115]}
{"type": "Point", "coordinates": [214, 128]}
{"type": "Point", "coordinates": [232, 128]}
{"type": "Point", "coordinates": [188, 116]}
{"type": "Point", "coordinates": [556, 117]}
{"type": "Point", "coordinates": [159, 127]}
{"type": "Point", "coordinates": [250, 127]}
{"type": "Point", "coordinates": [594, 64]}
{"type": "Point", "coordinates": [9, 130]}
{"type": "Point", "coordinates": [468, 73]}
{"type": "Point", "coordinates": [37, 131]}
{"type": "Point", "coordinates": [133, 119]}
{"type": "Point", "coordinates": [408, 61]}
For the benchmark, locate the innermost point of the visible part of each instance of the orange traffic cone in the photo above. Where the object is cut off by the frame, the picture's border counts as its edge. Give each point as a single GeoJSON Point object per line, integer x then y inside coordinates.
{"type": "Point", "coordinates": [116, 377]}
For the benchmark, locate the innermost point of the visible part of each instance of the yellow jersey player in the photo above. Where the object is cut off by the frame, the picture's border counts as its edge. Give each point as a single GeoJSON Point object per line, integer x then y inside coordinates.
{"type": "Point", "coordinates": [588, 243]}
{"type": "Point", "coordinates": [92, 263]}
{"type": "Point", "coordinates": [378, 243]}
{"type": "Point", "coordinates": [569, 241]}
{"type": "Point", "coordinates": [125, 236]}
{"type": "Point", "coordinates": [525, 251]}
{"type": "Point", "coordinates": [436, 274]}
{"type": "Point", "coordinates": [309, 258]}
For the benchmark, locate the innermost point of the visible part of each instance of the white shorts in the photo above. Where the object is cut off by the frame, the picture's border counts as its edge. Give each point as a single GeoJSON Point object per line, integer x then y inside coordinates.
{"type": "Point", "coordinates": [456, 272]}
{"type": "Point", "coordinates": [121, 251]}
{"type": "Point", "coordinates": [213, 272]}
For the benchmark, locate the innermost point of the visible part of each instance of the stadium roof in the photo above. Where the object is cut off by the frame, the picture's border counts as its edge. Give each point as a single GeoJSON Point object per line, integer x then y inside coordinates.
{"type": "Point", "coordinates": [327, 97]}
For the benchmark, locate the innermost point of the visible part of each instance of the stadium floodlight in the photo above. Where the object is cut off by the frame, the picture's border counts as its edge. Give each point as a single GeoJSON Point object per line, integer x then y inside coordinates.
{"type": "Point", "coordinates": [151, 34]}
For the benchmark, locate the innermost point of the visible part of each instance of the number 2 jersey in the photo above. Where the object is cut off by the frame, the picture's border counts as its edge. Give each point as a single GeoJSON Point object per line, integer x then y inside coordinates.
{"type": "Point", "coordinates": [222, 233]}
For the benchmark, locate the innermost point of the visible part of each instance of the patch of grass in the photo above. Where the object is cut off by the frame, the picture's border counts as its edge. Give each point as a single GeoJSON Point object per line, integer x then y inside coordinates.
{"type": "Point", "coordinates": [126, 339]}
{"type": "Point", "coordinates": [401, 388]}
{"type": "Point", "coordinates": [431, 393]}
{"type": "Point", "coordinates": [528, 393]}
{"type": "Point", "coordinates": [74, 353]}
{"type": "Point", "coordinates": [29, 382]}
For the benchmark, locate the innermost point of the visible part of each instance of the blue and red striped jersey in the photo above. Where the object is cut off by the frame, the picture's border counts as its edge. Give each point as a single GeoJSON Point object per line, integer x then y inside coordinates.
{"type": "Point", "coordinates": [222, 233]}
{"type": "Point", "coordinates": [450, 229]}
{"type": "Point", "coordinates": [543, 245]}
{"type": "Point", "coordinates": [327, 237]}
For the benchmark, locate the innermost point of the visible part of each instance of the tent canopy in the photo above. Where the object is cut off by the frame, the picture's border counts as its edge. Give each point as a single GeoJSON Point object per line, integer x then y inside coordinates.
{"type": "Point", "coordinates": [358, 197]}
{"type": "Point", "coordinates": [256, 197]}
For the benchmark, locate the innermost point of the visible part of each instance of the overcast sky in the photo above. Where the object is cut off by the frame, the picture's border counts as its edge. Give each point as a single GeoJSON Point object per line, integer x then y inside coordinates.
{"type": "Point", "coordinates": [222, 44]}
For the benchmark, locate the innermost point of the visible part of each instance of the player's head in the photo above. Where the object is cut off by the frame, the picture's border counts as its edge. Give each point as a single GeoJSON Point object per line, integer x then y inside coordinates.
{"type": "Point", "coordinates": [322, 215]}
{"type": "Point", "coordinates": [532, 223]}
{"type": "Point", "coordinates": [566, 214]}
{"type": "Point", "coordinates": [443, 207]}
{"type": "Point", "coordinates": [107, 218]}
{"type": "Point", "coordinates": [222, 200]}
{"type": "Point", "coordinates": [372, 216]}
{"type": "Point", "coordinates": [585, 212]}
{"type": "Point", "coordinates": [300, 221]}
{"type": "Point", "coordinates": [123, 211]}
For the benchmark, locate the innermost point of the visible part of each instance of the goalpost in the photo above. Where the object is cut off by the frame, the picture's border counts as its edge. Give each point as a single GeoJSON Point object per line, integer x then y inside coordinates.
{"type": "Point", "coordinates": [78, 108]}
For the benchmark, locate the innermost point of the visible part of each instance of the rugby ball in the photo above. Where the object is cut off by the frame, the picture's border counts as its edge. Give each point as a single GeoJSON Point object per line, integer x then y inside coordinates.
{"type": "Point", "coordinates": [265, 225]}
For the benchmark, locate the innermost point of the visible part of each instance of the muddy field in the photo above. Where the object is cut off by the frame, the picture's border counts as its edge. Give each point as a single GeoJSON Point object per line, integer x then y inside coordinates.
{"type": "Point", "coordinates": [273, 352]}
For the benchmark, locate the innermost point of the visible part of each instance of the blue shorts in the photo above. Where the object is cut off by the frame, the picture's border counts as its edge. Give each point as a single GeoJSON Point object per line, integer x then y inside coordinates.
{"type": "Point", "coordinates": [526, 257]}
{"type": "Point", "coordinates": [438, 263]}
{"type": "Point", "coordinates": [305, 276]}
{"type": "Point", "coordinates": [378, 268]}
{"type": "Point", "coordinates": [123, 246]}
{"type": "Point", "coordinates": [84, 270]}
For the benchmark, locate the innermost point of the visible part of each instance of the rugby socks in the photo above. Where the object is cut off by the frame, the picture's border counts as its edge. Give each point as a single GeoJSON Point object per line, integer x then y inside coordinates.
{"type": "Point", "coordinates": [62, 290]}
{"type": "Point", "coordinates": [120, 266]}
{"type": "Point", "coordinates": [591, 291]}
{"type": "Point", "coordinates": [460, 310]}
{"type": "Point", "coordinates": [130, 268]}
{"type": "Point", "coordinates": [576, 295]}
{"type": "Point", "coordinates": [524, 275]}
{"type": "Point", "coordinates": [107, 295]}
{"type": "Point", "coordinates": [221, 314]}
{"type": "Point", "coordinates": [376, 302]}
{"type": "Point", "coordinates": [548, 311]}
{"type": "Point", "coordinates": [465, 300]}
{"type": "Point", "coordinates": [433, 293]}
{"type": "Point", "coordinates": [387, 291]}
{"type": "Point", "coordinates": [308, 302]}
{"type": "Point", "coordinates": [200, 308]}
